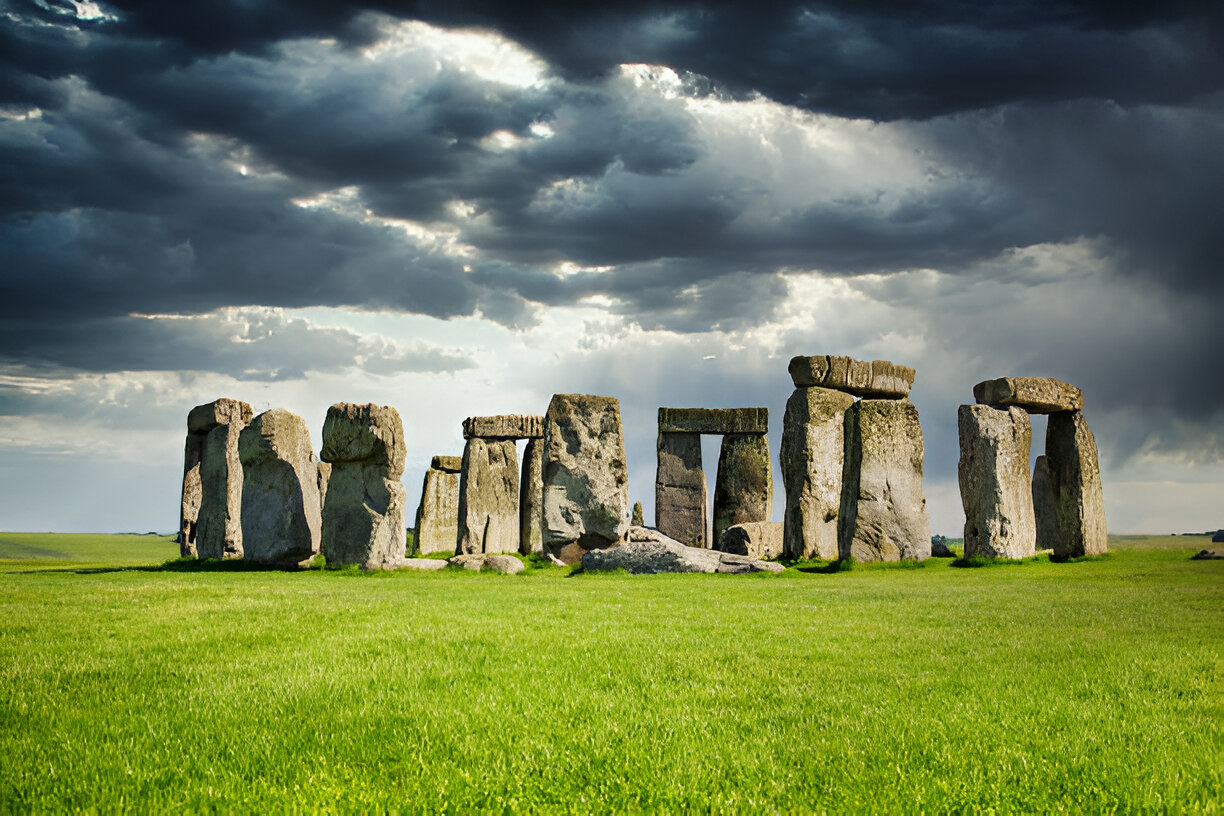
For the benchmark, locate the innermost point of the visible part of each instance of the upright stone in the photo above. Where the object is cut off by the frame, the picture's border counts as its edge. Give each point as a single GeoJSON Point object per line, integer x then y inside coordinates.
{"type": "Point", "coordinates": [586, 480]}
{"type": "Point", "coordinates": [213, 469]}
{"type": "Point", "coordinates": [324, 475]}
{"type": "Point", "coordinates": [680, 489]}
{"type": "Point", "coordinates": [638, 520]}
{"type": "Point", "coordinates": [743, 488]}
{"type": "Point", "coordinates": [488, 497]}
{"type": "Point", "coordinates": [437, 518]}
{"type": "Point", "coordinates": [531, 498]}
{"type": "Point", "coordinates": [812, 447]}
{"type": "Point", "coordinates": [994, 481]}
{"type": "Point", "coordinates": [363, 517]}
{"type": "Point", "coordinates": [1045, 513]}
{"type": "Point", "coordinates": [883, 511]}
{"type": "Point", "coordinates": [280, 490]}
{"type": "Point", "coordinates": [1075, 475]}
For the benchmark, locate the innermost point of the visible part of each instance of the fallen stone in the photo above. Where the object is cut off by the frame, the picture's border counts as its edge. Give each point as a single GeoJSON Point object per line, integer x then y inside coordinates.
{"type": "Point", "coordinates": [649, 552]}
{"type": "Point", "coordinates": [878, 379]}
{"type": "Point", "coordinates": [489, 497]}
{"type": "Point", "coordinates": [883, 511]}
{"type": "Point", "coordinates": [586, 481]}
{"type": "Point", "coordinates": [755, 539]}
{"type": "Point", "coordinates": [1207, 555]}
{"type": "Point", "coordinates": [424, 564]}
{"type": "Point", "coordinates": [437, 516]}
{"type": "Point", "coordinates": [363, 517]}
{"type": "Point", "coordinates": [280, 490]}
{"type": "Point", "coordinates": [449, 464]}
{"type": "Point", "coordinates": [192, 494]}
{"type": "Point", "coordinates": [680, 489]}
{"type": "Point", "coordinates": [505, 564]}
{"type": "Point", "coordinates": [1037, 395]}
{"type": "Point", "coordinates": [507, 426]}
{"type": "Point", "coordinates": [531, 498]}
{"type": "Point", "coordinates": [743, 488]}
{"type": "Point", "coordinates": [813, 432]}
{"type": "Point", "coordinates": [469, 561]}
{"type": "Point", "coordinates": [1075, 476]}
{"type": "Point", "coordinates": [714, 420]}
{"type": "Point", "coordinates": [213, 469]}
{"type": "Point", "coordinates": [994, 482]}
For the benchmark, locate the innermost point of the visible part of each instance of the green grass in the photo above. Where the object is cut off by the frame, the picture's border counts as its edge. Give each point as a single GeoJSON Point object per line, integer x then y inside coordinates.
{"type": "Point", "coordinates": [1092, 686]}
{"type": "Point", "coordinates": [86, 548]}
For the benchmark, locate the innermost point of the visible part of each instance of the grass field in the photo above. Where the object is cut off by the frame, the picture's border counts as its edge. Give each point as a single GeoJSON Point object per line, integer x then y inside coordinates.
{"type": "Point", "coordinates": [1091, 686]}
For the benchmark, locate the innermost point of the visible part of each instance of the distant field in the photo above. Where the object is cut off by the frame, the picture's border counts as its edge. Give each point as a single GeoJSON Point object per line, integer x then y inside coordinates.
{"type": "Point", "coordinates": [1089, 687]}
{"type": "Point", "coordinates": [87, 548]}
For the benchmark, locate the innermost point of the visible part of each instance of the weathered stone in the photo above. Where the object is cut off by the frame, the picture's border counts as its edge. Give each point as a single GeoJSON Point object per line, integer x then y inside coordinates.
{"type": "Point", "coordinates": [489, 497]}
{"type": "Point", "coordinates": [878, 379]}
{"type": "Point", "coordinates": [994, 482]}
{"type": "Point", "coordinates": [883, 512]}
{"type": "Point", "coordinates": [586, 481]}
{"type": "Point", "coordinates": [369, 434]}
{"type": "Point", "coordinates": [714, 420]}
{"type": "Point", "coordinates": [1037, 395]}
{"type": "Point", "coordinates": [469, 561]}
{"type": "Point", "coordinates": [212, 480]}
{"type": "Point", "coordinates": [743, 488]}
{"type": "Point", "coordinates": [189, 505]}
{"type": "Point", "coordinates": [755, 539]}
{"type": "Point", "coordinates": [425, 564]}
{"type": "Point", "coordinates": [507, 426]}
{"type": "Point", "coordinates": [505, 564]}
{"type": "Point", "coordinates": [680, 489]}
{"type": "Point", "coordinates": [437, 517]}
{"type": "Point", "coordinates": [324, 469]}
{"type": "Point", "coordinates": [637, 520]}
{"type": "Point", "coordinates": [940, 549]}
{"type": "Point", "coordinates": [649, 552]}
{"type": "Point", "coordinates": [1045, 511]}
{"type": "Point", "coordinates": [813, 432]}
{"type": "Point", "coordinates": [224, 411]}
{"type": "Point", "coordinates": [450, 464]}
{"type": "Point", "coordinates": [531, 498]}
{"type": "Point", "coordinates": [733, 564]}
{"type": "Point", "coordinates": [1075, 477]}
{"type": "Point", "coordinates": [281, 516]}
{"type": "Point", "coordinates": [363, 517]}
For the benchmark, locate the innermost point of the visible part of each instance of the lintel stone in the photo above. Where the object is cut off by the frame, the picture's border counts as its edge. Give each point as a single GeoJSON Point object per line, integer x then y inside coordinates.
{"type": "Point", "coordinates": [450, 464]}
{"type": "Point", "coordinates": [506, 426]}
{"type": "Point", "coordinates": [1037, 395]}
{"type": "Point", "coordinates": [714, 420]}
{"type": "Point", "coordinates": [877, 379]}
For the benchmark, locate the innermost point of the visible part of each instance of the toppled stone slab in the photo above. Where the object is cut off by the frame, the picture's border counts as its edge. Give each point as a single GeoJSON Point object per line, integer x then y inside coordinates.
{"type": "Point", "coordinates": [531, 498]}
{"type": "Point", "coordinates": [506, 426]}
{"type": "Point", "coordinates": [877, 379]}
{"type": "Point", "coordinates": [210, 523]}
{"type": "Point", "coordinates": [437, 516]}
{"type": "Point", "coordinates": [1075, 476]}
{"type": "Point", "coordinates": [994, 482]}
{"type": "Point", "coordinates": [449, 464]}
{"type": "Point", "coordinates": [1037, 395]}
{"type": "Point", "coordinates": [281, 517]}
{"type": "Point", "coordinates": [714, 420]}
{"type": "Point", "coordinates": [883, 512]}
{"type": "Point", "coordinates": [743, 488]}
{"type": "Point", "coordinates": [680, 489]}
{"type": "Point", "coordinates": [813, 434]}
{"type": "Point", "coordinates": [586, 480]}
{"type": "Point", "coordinates": [755, 539]}
{"type": "Point", "coordinates": [425, 564]}
{"type": "Point", "coordinates": [505, 564]}
{"type": "Point", "coordinates": [649, 552]}
{"type": "Point", "coordinates": [363, 517]}
{"type": "Point", "coordinates": [489, 497]}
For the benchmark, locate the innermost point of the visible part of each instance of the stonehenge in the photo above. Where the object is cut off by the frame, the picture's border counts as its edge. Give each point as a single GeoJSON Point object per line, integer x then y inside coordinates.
{"type": "Point", "coordinates": [497, 512]}
{"type": "Point", "coordinates": [281, 516]}
{"type": "Point", "coordinates": [1009, 514]}
{"type": "Point", "coordinates": [743, 487]}
{"type": "Point", "coordinates": [210, 513]}
{"type": "Point", "coordinates": [853, 469]}
{"type": "Point", "coordinates": [437, 516]}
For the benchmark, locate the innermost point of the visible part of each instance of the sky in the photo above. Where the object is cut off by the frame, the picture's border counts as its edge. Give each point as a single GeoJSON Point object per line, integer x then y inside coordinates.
{"type": "Point", "coordinates": [460, 208]}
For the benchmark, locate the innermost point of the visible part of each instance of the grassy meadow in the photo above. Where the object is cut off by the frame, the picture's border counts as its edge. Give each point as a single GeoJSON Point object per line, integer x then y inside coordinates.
{"type": "Point", "coordinates": [1089, 686]}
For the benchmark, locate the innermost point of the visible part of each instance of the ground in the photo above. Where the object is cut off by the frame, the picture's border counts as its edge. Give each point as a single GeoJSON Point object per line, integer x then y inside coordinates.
{"type": "Point", "coordinates": [1087, 686]}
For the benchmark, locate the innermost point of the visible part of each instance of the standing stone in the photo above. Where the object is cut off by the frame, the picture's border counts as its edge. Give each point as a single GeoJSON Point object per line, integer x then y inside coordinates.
{"type": "Point", "coordinates": [363, 517]}
{"type": "Point", "coordinates": [531, 498]}
{"type": "Point", "coordinates": [680, 489]}
{"type": "Point", "coordinates": [212, 468]}
{"type": "Point", "coordinates": [638, 521]}
{"type": "Point", "coordinates": [812, 460]}
{"type": "Point", "coordinates": [324, 475]}
{"type": "Point", "coordinates": [437, 518]}
{"type": "Point", "coordinates": [883, 511]}
{"type": "Point", "coordinates": [743, 488]}
{"type": "Point", "coordinates": [586, 480]}
{"type": "Point", "coordinates": [994, 481]}
{"type": "Point", "coordinates": [1079, 503]}
{"type": "Point", "coordinates": [1045, 513]}
{"type": "Point", "coordinates": [488, 497]}
{"type": "Point", "coordinates": [280, 490]}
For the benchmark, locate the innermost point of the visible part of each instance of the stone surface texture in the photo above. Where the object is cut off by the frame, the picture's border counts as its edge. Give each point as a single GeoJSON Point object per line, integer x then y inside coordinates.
{"type": "Point", "coordinates": [531, 498]}
{"type": "Point", "coordinates": [586, 481]}
{"type": "Point", "coordinates": [883, 512]}
{"type": "Point", "coordinates": [755, 539]}
{"type": "Point", "coordinates": [217, 475]}
{"type": "Point", "coordinates": [281, 518]}
{"type": "Point", "coordinates": [324, 474]}
{"type": "Point", "coordinates": [437, 517]}
{"type": "Point", "coordinates": [877, 379]}
{"type": "Point", "coordinates": [450, 464]}
{"type": "Point", "coordinates": [506, 426]}
{"type": "Point", "coordinates": [1045, 512]}
{"type": "Point", "coordinates": [363, 517]}
{"type": "Point", "coordinates": [425, 564]}
{"type": "Point", "coordinates": [637, 520]}
{"type": "Point", "coordinates": [813, 431]}
{"type": "Point", "coordinates": [505, 564]}
{"type": "Point", "coordinates": [649, 552]}
{"type": "Point", "coordinates": [680, 489]}
{"type": "Point", "coordinates": [1075, 477]}
{"type": "Point", "coordinates": [1037, 395]}
{"type": "Point", "coordinates": [994, 482]}
{"type": "Point", "coordinates": [743, 487]}
{"type": "Point", "coordinates": [488, 497]}
{"type": "Point", "coordinates": [192, 494]}
{"type": "Point", "coordinates": [714, 420]}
